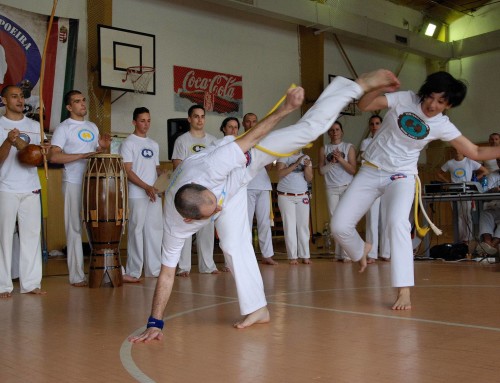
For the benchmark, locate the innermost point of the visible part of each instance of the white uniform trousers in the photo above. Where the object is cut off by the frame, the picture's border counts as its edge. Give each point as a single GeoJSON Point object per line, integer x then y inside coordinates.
{"type": "Point", "coordinates": [374, 234]}
{"type": "Point", "coordinates": [15, 256]}
{"type": "Point", "coordinates": [295, 214]}
{"type": "Point", "coordinates": [369, 184]}
{"type": "Point", "coordinates": [205, 249]}
{"type": "Point", "coordinates": [259, 203]}
{"type": "Point", "coordinates": [488, 222]}
{"type": "Point", "coordinates": [145, 232]}
{"type": "Point", "coordinates": [236, 243]}
{"type": "Point", "coordinates": [333, 195]}
{"type": "Point", "coordinates": [73, 226]}
{"type": "Point", "coordinates": [465, 227]}
{"type": "Point", "coordinates": [25, 207]}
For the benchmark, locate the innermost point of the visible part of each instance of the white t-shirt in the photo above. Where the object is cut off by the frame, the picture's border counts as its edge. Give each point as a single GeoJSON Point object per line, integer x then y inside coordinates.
{"type": "Point", "coordinates": [14, 176]}
{"type": "Point", "coordinates": [336, 175]}
{"type": "Point", "coordinates": [144, 154]}
{"type": "Point", "coordinates": [186, 145]}
{"type": "Point", "coordinates": [365, 143]}
{"type": "Point", "coordinates": [293, 182]}
{"type": "Point", "coordinates": [491, 165]}
{"type": "Point", "coordinates": [405, 132]}
{"type": "Point", "coordinates": [221, 169]}
{"type": "Point", "coordinates": [261, 181]}
{"type": "Point", "coordinates": [460, 171]}
{"type": "Point", "coordinates": [72, 137]}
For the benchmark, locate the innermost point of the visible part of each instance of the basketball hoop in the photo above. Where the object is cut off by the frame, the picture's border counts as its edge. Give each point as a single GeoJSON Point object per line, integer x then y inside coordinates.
{"type": "Point", "coordinates": [140, 76]}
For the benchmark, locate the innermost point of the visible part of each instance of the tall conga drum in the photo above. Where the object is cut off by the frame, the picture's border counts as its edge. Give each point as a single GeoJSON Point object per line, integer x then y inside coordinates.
{"type": "Point", "coordinates": [105, 213]}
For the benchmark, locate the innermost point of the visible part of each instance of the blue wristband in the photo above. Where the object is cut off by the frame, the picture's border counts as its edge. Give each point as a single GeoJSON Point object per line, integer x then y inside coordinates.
{"type": "Point", "coordinates": [153, 322]}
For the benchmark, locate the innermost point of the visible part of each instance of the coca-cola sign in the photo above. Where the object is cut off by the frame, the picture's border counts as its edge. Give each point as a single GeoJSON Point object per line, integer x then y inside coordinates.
{"type": "Point", "coordinates": [219, 93]}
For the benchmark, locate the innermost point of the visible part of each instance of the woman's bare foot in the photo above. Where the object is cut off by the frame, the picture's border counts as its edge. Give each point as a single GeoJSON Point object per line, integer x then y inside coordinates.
{"type": "Point", "coordinates": [370, 260]}
{"type": "Point", "coordinates": [259, 316]}
{"type": "Point", "coordinates": [269, 261]}
{"type": "Point", "coordinates": [80, 284]}
{"type": "Point", "coordinates": [184, 274]}
{"type": "Point", "coordinates": [382, 79]}
{"type": "Point", "coordinates": [403, 300]}
{"type": "Point", "coordinates": [293, 262]}
{"type": "Point", "coordinates": [225, 269]}
{"type": "Point", "coordinates": [5, 295]}
{"type": "Point", "coordinates": [37, 291]}
{"type": "Point", "coordinates": [363, 261]}
{"type": "Point", "coordinates": [346, 260]}
{"type": "Point", "coordinates": [306, 261]}
{"type": "Point", "coordinates": [130, 279]}
{"type": "Point", "coordinates": [216, 271]}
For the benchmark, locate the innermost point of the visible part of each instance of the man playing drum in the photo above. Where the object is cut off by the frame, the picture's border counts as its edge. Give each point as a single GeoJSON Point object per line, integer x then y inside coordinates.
{"type": "Point", "coordinates": [75, 140]}
{"type": "Point", "coordinates": [211, 185]}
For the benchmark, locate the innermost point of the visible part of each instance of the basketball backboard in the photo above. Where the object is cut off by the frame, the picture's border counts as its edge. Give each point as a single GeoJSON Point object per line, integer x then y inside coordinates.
{"type": "Point", "coordinates": [120, 49]}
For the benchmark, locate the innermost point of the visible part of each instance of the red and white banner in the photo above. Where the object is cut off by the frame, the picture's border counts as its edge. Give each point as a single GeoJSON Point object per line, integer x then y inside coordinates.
{"type": "Point", "coordinates": [22, 39]}
{"type": "Point", "coordinates": [219, 93]}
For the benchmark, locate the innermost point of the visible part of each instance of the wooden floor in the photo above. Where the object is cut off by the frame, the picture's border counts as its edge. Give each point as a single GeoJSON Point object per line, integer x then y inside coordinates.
{"type": "Point", "coordinates": [329, 324]}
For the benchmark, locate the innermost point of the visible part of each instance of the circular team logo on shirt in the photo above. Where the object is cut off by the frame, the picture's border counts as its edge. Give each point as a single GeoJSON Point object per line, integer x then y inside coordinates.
{"type": "Point", "coordinates": [197, 148]}
{"type": "Point", "coordinates": [86, 135]}
{"type": "Point", "coordinates": [413, 126]}
{"type": "Point", "coordinates": [147, 153]}
{"type": "Point", "coordinates": [25, 137]}
{"type": "Point", "coordinates": [459, 173]}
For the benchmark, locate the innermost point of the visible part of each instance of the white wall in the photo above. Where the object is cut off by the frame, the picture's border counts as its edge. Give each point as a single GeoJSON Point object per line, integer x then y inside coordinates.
{"type": "Point", "coordinates": [206, 36]}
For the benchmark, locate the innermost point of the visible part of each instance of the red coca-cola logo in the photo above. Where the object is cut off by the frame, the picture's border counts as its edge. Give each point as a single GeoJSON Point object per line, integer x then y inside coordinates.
{"type": "Point", "coordinates": [218, 85]}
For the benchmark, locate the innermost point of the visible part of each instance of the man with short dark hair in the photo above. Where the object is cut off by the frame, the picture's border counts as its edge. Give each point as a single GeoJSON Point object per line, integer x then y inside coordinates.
{"type": "Point", "coordinates": [74, 140]}
{"type": "Point", "coordinates": [142, 165]}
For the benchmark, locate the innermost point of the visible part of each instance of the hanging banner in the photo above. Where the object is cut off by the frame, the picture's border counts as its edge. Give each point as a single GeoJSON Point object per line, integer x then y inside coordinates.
{"type": "Point", "coordinates": [219, 93]}
{"type": "Point", "coordinates": [22, 37]}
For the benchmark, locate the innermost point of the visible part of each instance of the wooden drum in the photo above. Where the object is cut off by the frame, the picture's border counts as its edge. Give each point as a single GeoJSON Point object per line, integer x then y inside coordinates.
{"type": "Point", "coordinates": [105, 213]}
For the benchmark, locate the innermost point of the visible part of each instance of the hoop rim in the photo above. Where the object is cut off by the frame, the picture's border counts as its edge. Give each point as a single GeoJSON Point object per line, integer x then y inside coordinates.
{"type": "Point", "coordinates": [140, 69]}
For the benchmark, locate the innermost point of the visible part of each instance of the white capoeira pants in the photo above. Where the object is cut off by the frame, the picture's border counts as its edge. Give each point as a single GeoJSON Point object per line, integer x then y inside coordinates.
{"type": "Point", "coordinates": [369, 184]}
{"type": "Point", "coordinates": [374, 234]}
{"type": "Point", "coordinates": [259, 203]}
{"type": "Point", "coordinates": [205, 249]}
{"type": "Point", "coordinates": [73, 226]}
{"type": "Point", "coordinates": [333, 195]}
{"type": "Point", "coordinates": [145, 231]}
{"type": "Point", "coordinates": [465, 228]}
{"type": "Point", "coordinates": [295, 214]}
{"type": "Point", "coordinates": [26, 208]}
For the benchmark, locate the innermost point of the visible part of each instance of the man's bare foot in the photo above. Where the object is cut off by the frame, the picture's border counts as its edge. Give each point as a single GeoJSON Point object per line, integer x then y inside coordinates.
{"type": "Point", "coordinates": [385, 259]}
{"type": "Point", "coordinates": [225, 269]}
{"type": "Point", "coordinates": [37, 291]}
{"type": "Point", "coordinates": [370, 260]}
{"type": "Point", "coordinates": [259, 316]}
{"type": "Point", "coordinates": [184, 274]}
{"type": "Point", "coordinates": [403, 300]}
{"type": "Point", "coordinates": [215, 272]}
{"type": "Point", "coordinates": [346, 260]}
{"type": "Point", "coordinates": [5, 295]}
{"type": "Point", "coordinates": [130, 279]}
{"type": "Point", "coordinates": [293, 262]}
{"type": "Point", "coordinates": [363, 261]}
{"type": "Point", "coordinates": [382, 79]}
{"type": "Point", "coordinates": [269, 261]}
{"type": "Point", "coordinates": [80, 284]}
{"type": "Point", "coordinates": [306, 261]}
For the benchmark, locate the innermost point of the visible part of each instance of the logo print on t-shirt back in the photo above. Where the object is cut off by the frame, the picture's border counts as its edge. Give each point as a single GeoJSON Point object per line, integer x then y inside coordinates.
{"type": "Point", "coordinates": [413, 126]}
{"type": "Point", "coordinates": [86, 135]}
{"type": "Point", "coordinates": [197, 148]}
{"type": "Point", "coordinates": [147, 153]}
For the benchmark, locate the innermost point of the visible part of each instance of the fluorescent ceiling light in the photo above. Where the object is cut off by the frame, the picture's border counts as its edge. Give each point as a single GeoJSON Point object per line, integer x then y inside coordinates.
{"type": "Point", "coordinates": [431, 28]}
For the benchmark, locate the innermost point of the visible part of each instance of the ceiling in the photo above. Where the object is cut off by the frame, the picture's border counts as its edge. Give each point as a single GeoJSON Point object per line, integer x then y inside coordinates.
{"type": "Point", "coordinates": [445, 11]}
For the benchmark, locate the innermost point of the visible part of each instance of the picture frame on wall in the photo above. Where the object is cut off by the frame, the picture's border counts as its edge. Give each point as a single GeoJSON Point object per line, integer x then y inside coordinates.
{"type": "Point", "coordinates": [350, 110]}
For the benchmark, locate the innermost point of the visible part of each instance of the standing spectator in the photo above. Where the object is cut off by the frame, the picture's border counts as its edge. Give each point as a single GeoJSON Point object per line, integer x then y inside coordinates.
{"type": "Point", "coordinates": [460, 169]}
{"type": "Point", "coordinates": [295, 172]}
{"type": "Point", "coordinates": [145, 229]}
{"type": "Point", "coordinates": [19, 198]}
{"type": "Point", "coordinates": [493, 140]}
{"type": "Point", "coordinates": [74, 140]}
{"type": "Point", "coordinates": [192, 142]}
{"type": "Point", "coordinates": [337, 162]}
{"type": "Point", "coordinates": [259, 203]}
